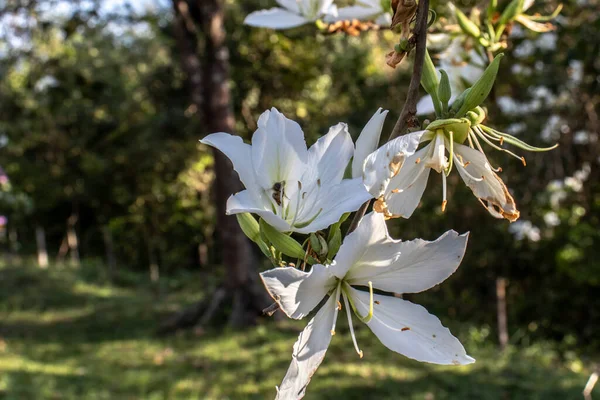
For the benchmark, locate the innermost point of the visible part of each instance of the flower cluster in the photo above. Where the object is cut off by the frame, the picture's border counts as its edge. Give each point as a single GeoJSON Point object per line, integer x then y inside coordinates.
{"type": "Point", "coordinates": [298, 190]}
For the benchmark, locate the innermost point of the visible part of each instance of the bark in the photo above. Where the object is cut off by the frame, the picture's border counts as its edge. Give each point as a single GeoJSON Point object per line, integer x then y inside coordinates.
{"type": "Point", "coordinates": [42, 253]}
{"type": "Point", "coordinates": [208, 80]}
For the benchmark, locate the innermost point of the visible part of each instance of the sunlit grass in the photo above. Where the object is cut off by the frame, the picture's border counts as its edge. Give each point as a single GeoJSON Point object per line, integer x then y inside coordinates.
{"type": "Point", "coordinates": [65, 337]}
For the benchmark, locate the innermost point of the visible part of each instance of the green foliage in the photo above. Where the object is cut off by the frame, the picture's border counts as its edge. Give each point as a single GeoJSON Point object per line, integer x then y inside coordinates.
{"type": "Point", "coordinates": [78, 338]}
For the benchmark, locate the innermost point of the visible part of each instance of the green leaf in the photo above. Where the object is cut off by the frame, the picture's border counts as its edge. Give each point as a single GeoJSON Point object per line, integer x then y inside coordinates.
{"type": "Point", "coordinates": [281, 242]}
{"type": "Point", "coordinates": [482, 88]}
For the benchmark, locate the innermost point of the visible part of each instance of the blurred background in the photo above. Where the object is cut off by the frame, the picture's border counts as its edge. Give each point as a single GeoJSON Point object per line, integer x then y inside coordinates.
{"type": "Point", "coordinates": [122, 279]}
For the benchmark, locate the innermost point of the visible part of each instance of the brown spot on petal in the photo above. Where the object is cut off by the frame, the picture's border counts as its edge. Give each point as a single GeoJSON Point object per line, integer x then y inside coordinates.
{"type": "Point", "coordinates": [380, 206]}
{"type": "Point", "coordinates": [507, 210]}
{"type": "Point", "coordinates": [396, 163]}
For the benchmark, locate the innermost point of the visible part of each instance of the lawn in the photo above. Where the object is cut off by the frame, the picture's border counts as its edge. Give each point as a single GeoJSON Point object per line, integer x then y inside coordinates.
{"type": "Point", "coordinates": [66, 334]}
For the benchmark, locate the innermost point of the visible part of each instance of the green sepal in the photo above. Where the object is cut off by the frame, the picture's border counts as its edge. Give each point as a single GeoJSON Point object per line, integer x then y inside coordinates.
{"type": "Point", "coordinates": [318, 244]}
{"type": "Point", "coordinates": [430, 83]}
{"type": "Point", "coordinates": [458, 126]}
{"type": "Point", "coordinates": [480, 89]}
{"type": "Point", "coordinates": [281, 242]}
{"type": "Point", "coordinates": [444, 90]}
{"type": "Point", "coordinates": [335, 242]}
{"type": "Point", "coordinates": [511, 11]}
{"type": "Point", "coordinates": [469, 27]}
{"type": "Point", "coordinates": [249, 226]}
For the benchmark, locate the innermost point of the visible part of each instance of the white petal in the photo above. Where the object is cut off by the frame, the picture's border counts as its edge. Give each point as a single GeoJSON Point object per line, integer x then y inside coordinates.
{"type": "Point", "coordinates": [327, 8]}
{"type": "Point", "coordinates": [367, 141]}
{"type": "Point", "coordinates": [408, 267]}
{"type": "Point", "coordinates": [425, 105]}
{"type": "Point", "coordinates": [426, 339]}
{"type": "Point", "coordinates": [358, 12]}
{"type": "Point", "coordinates": [237, 151]}
{"type": "Point", "coordinates": [298, 292]}
{"type": "Point", "coordinates": [329, 156]}
{"type": "Point", "coordinates": [334, 201]}
{"type": "Point", "coordinates": [309, 351]}
{"type": "Point", "coordinates": [291, 5]}
{"type": "Point", "coordinates": [371, 230]}
{"type": "Point", "coordinates": [275, 18]}
{"type": "Point", "coordinates": [405, 190]}
{"type": "Point", "coordinates": [383, 164]}
{"type": "Point", "coordinates": [490, 189]}
{"type": "Point", "coordinates": [244, 201]}
{"type": "Point", "coordinates": [279, 151]}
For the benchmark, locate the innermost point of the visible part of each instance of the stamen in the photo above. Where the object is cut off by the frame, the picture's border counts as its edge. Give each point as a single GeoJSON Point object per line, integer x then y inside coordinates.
{"type": "Point", "coordinates": [481, 150]}
{"type": "Point", "coordinates": [337, 308]}
{"type": "Point", "coordinates": [444, 201]}
{"type": "Point", "coordinates": [451, 152]}
{"type": "Point", "coordinates": [497, 147]}
{"type": "Point", "coordinates": [300, 196]}
{"type": "Point", "coordinates": [358, 351]}
{"type": "Point", "coordinates": [464, 170]}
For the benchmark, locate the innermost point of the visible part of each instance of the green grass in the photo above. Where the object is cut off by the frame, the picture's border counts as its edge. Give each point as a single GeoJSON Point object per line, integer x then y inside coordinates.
{"type": "Point", "coordinates": [64, 335]}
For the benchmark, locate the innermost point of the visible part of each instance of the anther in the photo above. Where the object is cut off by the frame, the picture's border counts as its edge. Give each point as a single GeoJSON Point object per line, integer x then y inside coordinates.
{"type": "Point", "coordinates": [360, 355]}
{"type": "Point", "coordinates": [418, 160]}
{"type": "Point", "coordinates": [444, 205]}
{"type": "Point", "coordinates": [467, 163]}
{"type": "Point", "coordinates": [406, 328]}
{"type": "Point", "coordinates": [339, 305]}
{"type": "Point", "coordinates": [523, 161]}
{"type": "Point", "coordinates": [332, 332]}
{"type": "Point", "coordinates": [396, 191]}
{"type": "Point", "coordinates": [501, 140]}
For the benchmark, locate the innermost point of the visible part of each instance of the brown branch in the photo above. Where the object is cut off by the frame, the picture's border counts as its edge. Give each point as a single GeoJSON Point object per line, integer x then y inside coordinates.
{"type": "Point", "coordinates": [408, 117]}
{"type": "Point", "coordinates": [358, 217]}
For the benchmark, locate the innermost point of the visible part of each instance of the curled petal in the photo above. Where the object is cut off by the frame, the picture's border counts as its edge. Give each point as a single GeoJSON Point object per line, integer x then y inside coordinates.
{"type": "Point", "coordinates": [485, 184]}
{"type": "Point", "coordinates": [385, 163]}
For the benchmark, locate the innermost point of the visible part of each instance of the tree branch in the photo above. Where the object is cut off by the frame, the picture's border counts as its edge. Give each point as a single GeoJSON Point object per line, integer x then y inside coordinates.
{"type": "Point", "coordinates": [408, 117]}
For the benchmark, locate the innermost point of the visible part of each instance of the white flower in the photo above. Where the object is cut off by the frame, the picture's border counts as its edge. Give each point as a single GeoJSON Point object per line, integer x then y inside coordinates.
{"type": "Point", "coordinates": [399, 194]}
{"type": "Point", "coordinates": [290, 187]}
{"type": "Point", "coordinates": [378, 11]}
{"type": "Point", "coordinates": [292, 13]}
{"type": "Point", "coordinates": [369, 257]}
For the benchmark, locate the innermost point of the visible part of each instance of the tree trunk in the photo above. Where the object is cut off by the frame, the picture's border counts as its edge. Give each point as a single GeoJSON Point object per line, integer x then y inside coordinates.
{"type": "Point", "coordinates": [501, 309]}
{"type": "Point", "coordinates": [72, 240]}
{"type": "Point", "coordinates": [209, 86]}
{"type": "Point", "coordinates": [109, 248]}
{"type": "Point", "coordinates": [42, 253]}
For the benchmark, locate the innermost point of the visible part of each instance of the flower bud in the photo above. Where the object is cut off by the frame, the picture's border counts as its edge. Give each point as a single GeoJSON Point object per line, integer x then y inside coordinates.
{"type": "Point", "coordinates": [282, 242]}
{"type": "Point", "coordinates": [482, 88]}
{"type": "Point", "coordinates": [514, 8]}
{"type": "Point", "coordinates": [444, 90]}
{"type": "Point", "coordinates": [334, 243]}
{"type": "Point", "coordinates": [468, 26]}
{"type": "Point", "coordinates": [430, 83]}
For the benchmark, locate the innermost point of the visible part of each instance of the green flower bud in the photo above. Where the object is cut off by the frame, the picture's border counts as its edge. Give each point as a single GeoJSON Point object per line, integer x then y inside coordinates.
{"type": "Point", "coordinates": [430, 83]}
{"type": "Point", "coordinates": [468, 26]}
{"type": "Point", "coordinates": [444, 90]}
{"type": "Point", "coordinates": [514, 8]}
{"type": "Point", "coordinates": [482, 88]}
{"type": "Point", "coordinates": [282, 242]}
